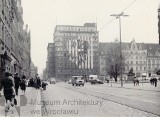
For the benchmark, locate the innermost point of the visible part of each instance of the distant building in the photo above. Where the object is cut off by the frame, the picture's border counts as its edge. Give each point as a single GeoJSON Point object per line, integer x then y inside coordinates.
{"type": "Point", "coordinates": [142, 57]}
{"type": "Point", "coordinates": [135, 57]}
{"type": "Point", "coordinates": [34, 70]}
{"type": "Point", "coordinates": [76, 50]}
{"type": "Point", "coordinates": [153, 58]}
{"type": "Point", "coordinates": [50, 64]}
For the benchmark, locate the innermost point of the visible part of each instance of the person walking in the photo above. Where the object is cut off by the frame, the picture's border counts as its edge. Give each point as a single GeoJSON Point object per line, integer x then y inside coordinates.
{"type": "Point", "coordinates": [7, 84]}
{"type": "Point", "coordinates": [155, 81]}
{"type": "Point", "coordinates": [17, 81]}
{"type": "Point", "coordinates": [23, 84]}
{"type": "Point", "coordinates": [38, 82]}
{"type": "Point", "coordinates": [44, 85]}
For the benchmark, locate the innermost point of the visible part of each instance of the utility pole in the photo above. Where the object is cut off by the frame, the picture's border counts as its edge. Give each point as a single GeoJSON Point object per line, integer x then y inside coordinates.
{"type": "Point", "coordinates": [118, 16]}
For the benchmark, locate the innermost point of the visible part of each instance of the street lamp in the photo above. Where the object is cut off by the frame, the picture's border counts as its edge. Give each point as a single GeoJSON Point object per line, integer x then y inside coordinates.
{"type": "Point", "coordinates": [118, 16]}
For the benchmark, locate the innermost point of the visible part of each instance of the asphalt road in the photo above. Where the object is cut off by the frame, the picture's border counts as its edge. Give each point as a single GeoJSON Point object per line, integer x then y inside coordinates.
{"type": "Point", "coordinates": [63, 99]}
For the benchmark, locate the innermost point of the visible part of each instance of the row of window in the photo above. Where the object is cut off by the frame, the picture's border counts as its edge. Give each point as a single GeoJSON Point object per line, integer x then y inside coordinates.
{"type": "Point", "coordinates": [130, 52]}
{"type": "Point", "coordinates": [136, 62]}
{"type": "Point", "coordinates": [76, 28]}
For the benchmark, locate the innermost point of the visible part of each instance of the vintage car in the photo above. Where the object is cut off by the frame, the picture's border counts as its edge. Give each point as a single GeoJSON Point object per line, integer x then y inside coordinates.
{"type": "Point", "coordinates": [77, 80]}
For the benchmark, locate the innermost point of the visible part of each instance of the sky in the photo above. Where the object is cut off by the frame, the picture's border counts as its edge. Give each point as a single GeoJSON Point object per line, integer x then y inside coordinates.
{"type": "Point", "coordinates": [43, 15]}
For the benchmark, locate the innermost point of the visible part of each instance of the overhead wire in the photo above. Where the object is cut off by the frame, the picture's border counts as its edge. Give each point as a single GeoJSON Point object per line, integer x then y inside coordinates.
{"type": "Point", "coordinates": [115, 18]}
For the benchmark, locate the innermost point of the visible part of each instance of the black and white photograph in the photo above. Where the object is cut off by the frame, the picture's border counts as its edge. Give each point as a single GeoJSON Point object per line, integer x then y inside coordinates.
{"type": "Point", "coordinates": [79, 58]}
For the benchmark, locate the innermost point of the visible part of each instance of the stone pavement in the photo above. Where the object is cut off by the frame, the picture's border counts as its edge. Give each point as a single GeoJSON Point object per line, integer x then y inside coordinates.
{"type": "Point", "coordinates": [142, 86]}
{"type": "Point", "coordinates": [28, 104]}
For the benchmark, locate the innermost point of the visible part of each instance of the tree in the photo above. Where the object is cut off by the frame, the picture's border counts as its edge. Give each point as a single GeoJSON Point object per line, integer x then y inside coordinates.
{"type": "Point", "coordinates": [113, 60]}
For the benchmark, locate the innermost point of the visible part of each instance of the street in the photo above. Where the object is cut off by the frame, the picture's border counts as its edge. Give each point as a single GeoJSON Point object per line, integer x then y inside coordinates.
{"type": "Point", "coordinates": [63, 99]}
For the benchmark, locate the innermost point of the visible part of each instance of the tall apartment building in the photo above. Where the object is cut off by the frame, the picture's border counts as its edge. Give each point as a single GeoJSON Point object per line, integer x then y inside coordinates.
{"type": "Point", "coordinates": [76, 50]}
{"type": "Point", "coordinates": [50, 64]}
{"type": "Point", "coordinates": [14, 40]}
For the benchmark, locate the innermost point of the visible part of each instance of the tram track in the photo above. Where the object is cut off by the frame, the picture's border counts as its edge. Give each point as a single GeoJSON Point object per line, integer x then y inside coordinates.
{"type": "Point", "coordinates": [121, 101]}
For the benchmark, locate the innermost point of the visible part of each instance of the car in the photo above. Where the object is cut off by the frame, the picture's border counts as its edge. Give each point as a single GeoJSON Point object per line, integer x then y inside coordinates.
{"type": "Point", "coordinates": [52, 81]}
{"type": "Point", "coordinates": [77, 80]}
{"type": "Point", "coordinates": [96, 81]}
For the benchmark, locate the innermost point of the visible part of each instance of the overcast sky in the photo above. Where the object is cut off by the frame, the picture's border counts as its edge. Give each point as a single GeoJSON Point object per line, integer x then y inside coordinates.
{"type": "Point", "coordinates": [43, 15]}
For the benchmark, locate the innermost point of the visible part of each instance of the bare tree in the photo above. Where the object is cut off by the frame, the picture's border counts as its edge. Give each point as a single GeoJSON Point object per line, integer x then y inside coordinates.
{"type": "Point", "coordinates": [113, 60]}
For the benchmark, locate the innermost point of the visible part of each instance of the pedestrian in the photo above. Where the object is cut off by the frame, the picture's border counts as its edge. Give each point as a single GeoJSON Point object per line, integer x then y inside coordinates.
{"type": "Point", "coordinates": [23, 84]}
{"type": "Point", "coordinates": [155, 82]}
{"type": "Point", "coordinates": [38, 82]}
{"type": "Point", "coordinates": [31, 82]}
{"type": "Point", "coordinates": [136, 81]}
{"type": "Point", "coordinates": [7, 84]}
{"type": "Point", "coordinates": [17, 82]}
{"type": "Point", "coordinates": [44, 85]}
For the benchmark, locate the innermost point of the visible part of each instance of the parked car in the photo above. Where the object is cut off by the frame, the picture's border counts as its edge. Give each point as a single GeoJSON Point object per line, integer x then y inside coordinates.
{"type": "Point", "coordinates": [96, 81]}
{"type": "Point", "coordinates": [77, 80]}
{"type": "Point", "coordinates": [52, 81]}
{"type": "Point", "coordinates": [93, 79]}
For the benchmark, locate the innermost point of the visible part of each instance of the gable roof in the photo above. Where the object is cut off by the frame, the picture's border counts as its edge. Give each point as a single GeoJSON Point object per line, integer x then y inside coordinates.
{"type": "Point", "coordinates": [150, 47]}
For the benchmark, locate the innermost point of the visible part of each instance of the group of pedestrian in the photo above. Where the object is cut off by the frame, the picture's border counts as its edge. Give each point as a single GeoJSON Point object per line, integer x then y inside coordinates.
{"type": "Point", "coordinates": [10, 86]}
{"type": "Point", "coordinates": [154, 81]}
{"type": "Point", "coordinates": [37, 83]}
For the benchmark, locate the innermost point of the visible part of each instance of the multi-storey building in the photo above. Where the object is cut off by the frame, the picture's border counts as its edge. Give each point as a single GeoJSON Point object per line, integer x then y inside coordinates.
{"type": "Point", "coordinates": [153, 58]}
{"type": "Point", "coordinates": [14, 41]}
{"type": "Point", "coordinates": [76, 50]}
{"type": "Point", "coordinates": [50, 64]}
{"type": "Point", "coordinates": [142, 57]}
{"type": "Point", "coordinates": [159, 22]}
{"type": "Point", "coordinates": [135, 57]}
{"type": "Point", "coordinates": [34, 70]}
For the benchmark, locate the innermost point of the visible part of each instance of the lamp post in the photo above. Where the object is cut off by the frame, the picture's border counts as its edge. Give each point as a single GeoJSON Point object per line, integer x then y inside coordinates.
{"type": "Point", "coordinates": [118, 16]}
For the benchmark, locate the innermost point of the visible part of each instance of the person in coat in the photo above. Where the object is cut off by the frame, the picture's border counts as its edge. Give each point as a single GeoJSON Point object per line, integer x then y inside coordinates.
{"type": "Point", "coordinates": [44, 85]}
{"type": "Point", "coordinates": [7, 84]}
{"type": "Point", "coordinates": [23, 84]}
{"type": "Point", "coordinates": [17, 82]}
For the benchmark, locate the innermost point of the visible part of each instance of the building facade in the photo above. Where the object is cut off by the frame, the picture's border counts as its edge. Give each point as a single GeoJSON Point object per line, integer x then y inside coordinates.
{"type": "Point", "coordinates": [76, 50]}
{"type": "Point", "coordinates": [153, 58]}
{"type": "Point", "coordinates": [141, 57]}
{"type": "Point", "coordinates": [34, 70]}
{"type": "Point", "coordinates": [14, 40]}
{"type": "Point", "coordinates": [50, 64]}
{"type": "Point", "coordinates": [135, 58]}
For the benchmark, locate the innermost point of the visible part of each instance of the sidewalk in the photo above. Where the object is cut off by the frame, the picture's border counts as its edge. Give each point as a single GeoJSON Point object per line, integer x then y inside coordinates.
{"type": "Point", "coordinates": [28, 104]}
{"type": "Point", "coordinates": [142, 86]}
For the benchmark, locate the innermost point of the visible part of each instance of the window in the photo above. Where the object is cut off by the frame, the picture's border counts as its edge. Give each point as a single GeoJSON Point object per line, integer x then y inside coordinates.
{"type": "Point", "coordinates": [140, 67]}
{"type": "Point", "coordinates": [136, 62]}
{"type": "Point", "coordinates": [131, 62]}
